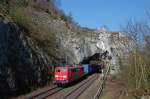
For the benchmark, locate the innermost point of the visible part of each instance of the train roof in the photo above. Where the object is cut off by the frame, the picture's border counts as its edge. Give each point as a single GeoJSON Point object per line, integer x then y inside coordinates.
{"type": "Point", "coordinates": [69, 67]}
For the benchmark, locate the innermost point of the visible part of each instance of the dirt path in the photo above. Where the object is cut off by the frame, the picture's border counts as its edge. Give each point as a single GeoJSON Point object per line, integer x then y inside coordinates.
{"type": "Point", "coordinates": [112, 90]}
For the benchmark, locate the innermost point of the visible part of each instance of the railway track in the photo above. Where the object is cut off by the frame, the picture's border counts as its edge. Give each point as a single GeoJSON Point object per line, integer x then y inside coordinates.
{"type": "Point", "coordinates": [43, 94]}
{"type": "Point", "coordinates": [102, 84]}
{"type": "Point", "coordinates": [49, 93]}
{"type": "Point", "coordinates": [72, 92]}
{"type": "Point", "coordinates": [75, 93]}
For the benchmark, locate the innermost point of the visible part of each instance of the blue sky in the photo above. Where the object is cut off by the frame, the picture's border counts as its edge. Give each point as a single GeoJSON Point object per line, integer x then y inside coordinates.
{"type": "Point", "coordinates": [110, 13]}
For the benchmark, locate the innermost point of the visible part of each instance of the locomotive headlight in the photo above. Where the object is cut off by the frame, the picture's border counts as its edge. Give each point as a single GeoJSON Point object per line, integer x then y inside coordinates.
{"type": "Point", "coordinates": [64, 76]}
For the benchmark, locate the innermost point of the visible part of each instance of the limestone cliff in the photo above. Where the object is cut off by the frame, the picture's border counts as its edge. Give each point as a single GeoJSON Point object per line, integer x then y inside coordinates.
{"type": "Point", "coordinates": [34, 38]}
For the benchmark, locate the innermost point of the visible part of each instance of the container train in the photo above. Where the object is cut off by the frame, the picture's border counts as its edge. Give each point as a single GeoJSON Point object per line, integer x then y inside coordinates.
{"type": "Point", "coordinates": [67, 74]}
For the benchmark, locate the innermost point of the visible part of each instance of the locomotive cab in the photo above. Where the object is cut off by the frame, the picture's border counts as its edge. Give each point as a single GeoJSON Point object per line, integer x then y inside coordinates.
{"type": "Point", "coordinates": [61, 75]}
{"type": "Point", "coordinates": [67, 74]}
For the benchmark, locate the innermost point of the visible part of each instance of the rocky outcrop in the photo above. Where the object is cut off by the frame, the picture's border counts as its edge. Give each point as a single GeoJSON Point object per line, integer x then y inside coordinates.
{"type": "Point", "coordinates": [98, 41]}
{"type": "Point", "coordinates": [22, 63]}
{"type": "Point", "coordinates": [75, 45]}
{"type": "Point", "coordinates": [39, 36]}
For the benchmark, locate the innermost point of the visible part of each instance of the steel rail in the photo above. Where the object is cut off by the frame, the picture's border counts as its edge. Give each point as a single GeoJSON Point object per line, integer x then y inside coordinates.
{"type": "Point", "coordinates": [102, 84]}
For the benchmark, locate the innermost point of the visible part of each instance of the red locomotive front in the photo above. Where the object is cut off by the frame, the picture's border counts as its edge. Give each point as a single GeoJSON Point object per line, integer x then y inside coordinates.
{"type": "Point", "coordinates": [61, 75]}
{"type": "Point", "coordinates": [67, 74]}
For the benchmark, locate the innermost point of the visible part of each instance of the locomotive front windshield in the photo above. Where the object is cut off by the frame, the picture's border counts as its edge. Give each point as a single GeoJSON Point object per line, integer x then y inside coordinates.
{"type": "Point", "coordinates": [61, 70]}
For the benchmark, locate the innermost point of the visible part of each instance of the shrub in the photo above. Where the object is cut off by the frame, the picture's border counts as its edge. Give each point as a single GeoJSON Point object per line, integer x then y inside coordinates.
{"type": "Point", "coordinates": [135, 74]}
{"type": "Point", "coordinates": [19, 16]}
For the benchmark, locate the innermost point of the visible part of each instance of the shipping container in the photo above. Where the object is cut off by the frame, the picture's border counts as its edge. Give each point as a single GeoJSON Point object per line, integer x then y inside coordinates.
{"type": "Point", "coordinates": [87, 68]}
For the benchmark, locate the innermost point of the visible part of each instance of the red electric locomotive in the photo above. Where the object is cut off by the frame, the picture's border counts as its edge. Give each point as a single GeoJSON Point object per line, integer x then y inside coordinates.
{"type": "Point", "coordinates": [67, 74]}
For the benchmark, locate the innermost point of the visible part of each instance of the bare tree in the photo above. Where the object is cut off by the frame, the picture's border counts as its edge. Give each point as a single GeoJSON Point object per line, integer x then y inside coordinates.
{"type": "Point", "coordinates": [136, 71]}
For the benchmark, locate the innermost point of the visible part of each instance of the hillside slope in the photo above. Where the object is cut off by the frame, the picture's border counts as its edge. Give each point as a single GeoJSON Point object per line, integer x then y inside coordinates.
{"type": "Point", "coordinates": [34, 37]}
{"type": "Point", "coordinates": [22, 63]}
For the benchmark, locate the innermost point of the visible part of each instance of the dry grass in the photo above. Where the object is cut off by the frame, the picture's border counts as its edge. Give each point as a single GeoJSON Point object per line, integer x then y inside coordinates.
{"type": "Point", "coordinates": [135, 76]}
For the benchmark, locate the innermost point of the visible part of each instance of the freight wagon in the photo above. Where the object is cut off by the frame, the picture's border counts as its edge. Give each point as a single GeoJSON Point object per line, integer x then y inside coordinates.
{"type": "Point", "coordinates": [87, 69]}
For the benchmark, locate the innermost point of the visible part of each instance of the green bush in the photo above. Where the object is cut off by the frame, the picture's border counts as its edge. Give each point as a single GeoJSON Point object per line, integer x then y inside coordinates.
{"type": "Point", "coordinates": [20, 17]}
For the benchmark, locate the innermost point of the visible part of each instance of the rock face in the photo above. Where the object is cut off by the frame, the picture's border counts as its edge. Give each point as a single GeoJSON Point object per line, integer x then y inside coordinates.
{"type": "Point", "coordinates": [22, 63]}
{"type": "Point", "coordinates": [74, 46]}
{"type": "Point", "coordinates": [98, 41]}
